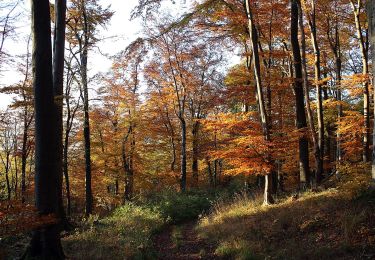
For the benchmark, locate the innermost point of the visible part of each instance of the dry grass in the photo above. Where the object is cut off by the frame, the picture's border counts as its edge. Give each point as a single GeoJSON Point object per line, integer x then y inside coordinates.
{"type": "Point", "coordinates": [330, 224]}
{"type": "Point", "coordinates": [124, 235]}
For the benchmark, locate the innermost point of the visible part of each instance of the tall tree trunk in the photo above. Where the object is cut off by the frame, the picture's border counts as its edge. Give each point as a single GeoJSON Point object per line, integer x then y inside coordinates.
{"type": "Point", "coordinates": [319, 99]}
{"type": "Point", "coordinates": [66, 173]}
{"type": "Point", "coordinates": [86, 125]}
{"type": "Point", "coordinates": [268, 199]}
{"type": "Point", "coordinates": [365, 70]}
{"type": "Point", "coordinates": [127, 160]}
{"type": "Point", "coordinates": [58, 87]}
{"type": "Point", "coordinates": [194, 166]}
{"type": "Point", "coordinates": [209, 171]}
{"type": "Point", "coordinates": [7, 167]}
{"type": "Point", "coordinates": [45, 243]}
{"type": "Point", "coordinates": [24, 156]}
{"type": "Point", "coordinates": [317, 153]}
{"type": "Point", "coordinates": [183, 154]}
{"type": "Point", "coordinates": [299, 96]}
{"type": "Point", "coordinates": [173, 163]}
{"type": "Point", "coordinates": [371, 22]}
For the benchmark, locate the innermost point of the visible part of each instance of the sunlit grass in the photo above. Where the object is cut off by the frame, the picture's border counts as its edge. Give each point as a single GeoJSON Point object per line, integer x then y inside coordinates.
{"type": "Point", "coordinates": [325, 224]}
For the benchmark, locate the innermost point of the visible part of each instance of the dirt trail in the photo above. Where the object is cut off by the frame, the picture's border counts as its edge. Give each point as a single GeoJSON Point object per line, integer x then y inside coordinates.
{"type": "Point", "coordinates": [182, 242]}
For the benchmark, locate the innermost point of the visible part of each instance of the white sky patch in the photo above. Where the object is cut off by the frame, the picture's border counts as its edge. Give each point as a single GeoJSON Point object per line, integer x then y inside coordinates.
{"type": "Point", "coordinates": [116, 36]}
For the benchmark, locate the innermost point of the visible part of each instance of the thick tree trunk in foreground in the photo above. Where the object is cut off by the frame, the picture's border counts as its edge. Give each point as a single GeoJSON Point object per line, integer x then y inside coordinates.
{"type": "Point", "coordinates": [45, 243]}
{"type": "Point", "coordinates": [58, 87]}
{"type": "Point", "coordinates": [261, 103]}
{"type": "Point", "coordinates": [299, 96]}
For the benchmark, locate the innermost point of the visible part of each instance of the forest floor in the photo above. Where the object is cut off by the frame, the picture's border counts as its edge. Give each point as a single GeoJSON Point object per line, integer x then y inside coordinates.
{"type": "Point", "coordinates": [335, 223]}
{"type": "Point", "coordinates": [183, 242]}
{"type": "Point", "coordinates": [325, 225]}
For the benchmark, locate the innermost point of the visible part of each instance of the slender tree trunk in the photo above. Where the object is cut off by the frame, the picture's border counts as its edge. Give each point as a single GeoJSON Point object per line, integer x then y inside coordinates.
{"type": "Point", "coordinates": [7, 166]}
{"type": "Point", "coordinates": [86, 126]}
{"type": "Point", "coordinates": [299, 96]}
{"type": "Point", "coordinates": [45, 243]}
{"type": "Point", "coordinates": [365, 70]}
{"type": "Point", "coordinates": [319, 98]}
{"type": "Point", "coordinates": [24, 154]}
{"type": "Point", "coordinates": [317, 157]}
{"type": "Point", "coordinates": [194, 167]}
{"type": "Point", "coordinates": [128, 169]}
{"type": "Point", "coordinates": [173, 163]}
{"type": "Point", "coordinates": [66, 173]}
{"type": "Point", "coordinates": [268, 199]}
{"type": "Point", "coordinates": [183, 154]}
{"type": "Point", "coordinates": [209, 171]}
{"type": "Point", "coordinates": [371, 22]}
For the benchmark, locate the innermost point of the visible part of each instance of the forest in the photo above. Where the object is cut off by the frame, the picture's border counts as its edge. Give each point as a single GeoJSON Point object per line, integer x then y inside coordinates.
{"type": "Point", "coordinates": [222, 129]}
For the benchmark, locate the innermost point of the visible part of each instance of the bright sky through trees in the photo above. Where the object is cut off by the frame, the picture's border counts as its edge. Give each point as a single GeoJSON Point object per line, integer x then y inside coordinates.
{"type": "Point", "coordinates": [119, 33]}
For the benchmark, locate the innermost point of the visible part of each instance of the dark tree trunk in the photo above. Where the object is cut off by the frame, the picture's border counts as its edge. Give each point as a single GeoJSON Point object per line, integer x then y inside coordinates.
{"type": "Point", "coordinates": [66, 173]}
{"type": "Point", "coordinates": [299, 96]}
{"type": "Point", "coordinates": [127, 162]}
{"type": "Point", "coordinates": [86, 126]}
{"type": "Point", "coordinates": [209, 171]}
{"type": "Point", "coordinates": [24, 153]}
{"type": "Point", "coordinates": [183, 154]}
{"type": "Point", "coordinates": [7, 167]}
{"type": "Point", "coordinates": [195, 154]}
{"type": "Point", "coordinates": [58, 87]}
{"type": "Point", "coordinates": [45, 243]}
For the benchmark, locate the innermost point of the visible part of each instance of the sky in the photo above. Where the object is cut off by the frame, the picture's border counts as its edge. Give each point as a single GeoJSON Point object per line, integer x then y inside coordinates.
{"type": "Point", "coordinates": [118, 34]}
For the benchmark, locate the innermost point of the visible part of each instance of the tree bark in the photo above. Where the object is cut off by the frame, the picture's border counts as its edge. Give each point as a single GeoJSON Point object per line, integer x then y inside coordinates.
{"type": "Point", "coordinates": [365, 71]}
{"type": "Point", "coordinates": [58, 87]}
{"type": "Point", "coordinates": [45, 242]}
{"type": "Point", "coordinates": [195, 154]}
{"type": "Point", "coordinates": [86, 125]}
{"type": "Point", "coordinates": [317, 157]}
{"type": "Point", "coordinates": [268, 199]}
{"type": "Point", "coordinates": [371, 22]}
{"type": "Point", "coordinates": [319, 99]}
{"type": "Point", "coordinates": [299, 98]}
{"type": "Point", "coordinates": [183, 154]}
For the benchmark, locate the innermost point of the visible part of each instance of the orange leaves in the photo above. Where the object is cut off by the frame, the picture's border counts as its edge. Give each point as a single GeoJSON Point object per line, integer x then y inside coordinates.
{"type": "Point", "coordinates": [350, 128]}
{"type": "Point", "coordinates": [241, 144]}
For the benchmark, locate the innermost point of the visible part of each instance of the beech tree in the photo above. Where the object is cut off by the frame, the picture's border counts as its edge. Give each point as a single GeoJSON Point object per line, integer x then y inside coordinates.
{"type": "Point", "coordinates": [46, 242]}
{"type": "Point", "coordinates": [83, 19]}
{"type": "Point", "coordinates": [371, 22]}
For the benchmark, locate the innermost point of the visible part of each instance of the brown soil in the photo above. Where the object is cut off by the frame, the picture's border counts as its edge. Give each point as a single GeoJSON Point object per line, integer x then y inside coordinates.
{"type": "Point", "coordinates": [189, 246]}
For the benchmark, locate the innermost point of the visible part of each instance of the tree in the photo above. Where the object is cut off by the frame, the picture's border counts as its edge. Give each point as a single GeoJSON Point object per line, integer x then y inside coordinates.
{"type": "Point", "coordinates": [357, 7]}
{"type": "Point", "coordinates": [45, 242]}
{"type": "Point", "coordinates": [83, 19]}
{"type": "Point", "coordinates": [299, 96]}
{"type": "Point", "coordinates": [371, 23]}
{"type": "Point", "coordinates": [261, 103]}
{"type": "Point", "coordinates": [311, 15]}
{"type": "Point", "coordinates": [8, 16]}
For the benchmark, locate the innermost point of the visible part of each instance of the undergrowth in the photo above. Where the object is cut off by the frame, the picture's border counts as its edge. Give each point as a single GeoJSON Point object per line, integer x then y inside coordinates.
{"type": "Point", "coordinates": [127, 232]}
{"type": "Point", "coordinates": [336, 223]}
